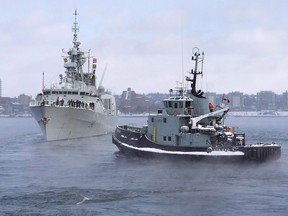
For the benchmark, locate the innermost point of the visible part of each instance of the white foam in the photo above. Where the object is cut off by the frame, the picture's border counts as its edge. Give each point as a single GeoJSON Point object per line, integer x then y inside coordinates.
{"type": "Point", "coordinates": [84, 199]}
{"type": "Point", "coordinates": [263, 145]}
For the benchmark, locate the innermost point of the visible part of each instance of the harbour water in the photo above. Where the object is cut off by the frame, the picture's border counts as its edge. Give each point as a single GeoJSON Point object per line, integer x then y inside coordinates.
{"type": "Point", "coordinates": [88, 177]}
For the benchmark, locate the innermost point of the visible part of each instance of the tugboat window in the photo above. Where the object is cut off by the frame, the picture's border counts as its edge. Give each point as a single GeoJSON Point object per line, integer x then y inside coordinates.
{"type": "Point", "coordinates": [164, 138]}
{"type": "Point", "coordinates": [170, 104]}
{"type": "Point", "coordinates": [175, 105]}
{"type": "Point", "coordinates": [164, 120]}
{"type": "Point", "coordinates": [152, 119]}
{"type": "Point", "coordinates": [169, 138]}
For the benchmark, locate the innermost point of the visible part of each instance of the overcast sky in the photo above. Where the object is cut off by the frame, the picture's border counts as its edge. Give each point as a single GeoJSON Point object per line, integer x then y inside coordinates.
{"type": "Point", "coordinates": [147, 44]}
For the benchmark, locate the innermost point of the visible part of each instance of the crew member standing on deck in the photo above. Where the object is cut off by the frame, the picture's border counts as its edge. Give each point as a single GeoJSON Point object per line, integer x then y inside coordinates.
{"type": "Point", "coordinates": [211, 107]}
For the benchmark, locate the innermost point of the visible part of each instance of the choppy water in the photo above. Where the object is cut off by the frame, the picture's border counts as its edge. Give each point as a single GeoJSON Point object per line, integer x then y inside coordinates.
{"type": "Point", "coordinates": [52, 178]}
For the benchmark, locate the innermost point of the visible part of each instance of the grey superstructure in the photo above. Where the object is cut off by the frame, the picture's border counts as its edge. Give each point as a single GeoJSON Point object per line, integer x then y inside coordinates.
{"type": "Point", "coordinates": [75, 107]}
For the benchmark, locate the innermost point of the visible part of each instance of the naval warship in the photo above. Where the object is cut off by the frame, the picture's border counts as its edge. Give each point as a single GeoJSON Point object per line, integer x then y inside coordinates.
{"type": "Point", "coordinates": [75, 107]}
{"type": "Point", "coordinates": [190, 127]}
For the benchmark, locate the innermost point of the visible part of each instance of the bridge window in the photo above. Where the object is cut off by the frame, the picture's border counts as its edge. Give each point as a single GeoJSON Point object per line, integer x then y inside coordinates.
{"type": "Point", "coordinates": [47, 92]}
{"type": "Point", "coordinates": [187, 104]}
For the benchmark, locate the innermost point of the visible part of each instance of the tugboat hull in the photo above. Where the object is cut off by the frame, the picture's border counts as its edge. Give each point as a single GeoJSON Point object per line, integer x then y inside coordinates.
{"type": "Point", "coordinates": [130, 150]}
{"type": "Point", "coordinates": [132, 142]}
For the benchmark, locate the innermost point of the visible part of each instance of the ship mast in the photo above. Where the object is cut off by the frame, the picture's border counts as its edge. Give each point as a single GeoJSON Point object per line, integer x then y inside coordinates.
{"type": "Point", "coordinates": [198, 58]}
{"type": "Point", "coordinates": [78, 55]}
{"type": "Point", "coordinates": [75, 28]}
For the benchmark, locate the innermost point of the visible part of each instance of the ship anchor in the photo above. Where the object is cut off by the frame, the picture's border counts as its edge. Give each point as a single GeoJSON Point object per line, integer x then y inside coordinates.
{"type": "Point", "coordinates": [44, 120]}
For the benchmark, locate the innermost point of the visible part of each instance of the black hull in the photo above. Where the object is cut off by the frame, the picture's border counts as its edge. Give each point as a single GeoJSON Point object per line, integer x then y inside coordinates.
{"type": "Point", "coordinates": [136, 144]}
{"type": "Point", "coordinates": [132, 152]}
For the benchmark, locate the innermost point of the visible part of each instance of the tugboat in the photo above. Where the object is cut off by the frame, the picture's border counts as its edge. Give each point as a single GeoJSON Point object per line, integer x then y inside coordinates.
{"type": "Point", "coordinates": [76, 107]}
{"type": "Point", "coordinates": [188, 127]}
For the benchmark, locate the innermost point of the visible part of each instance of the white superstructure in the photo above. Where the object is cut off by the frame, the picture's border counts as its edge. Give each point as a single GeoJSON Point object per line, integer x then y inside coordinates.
{"type": "Point", "coordinates": [76, 107]}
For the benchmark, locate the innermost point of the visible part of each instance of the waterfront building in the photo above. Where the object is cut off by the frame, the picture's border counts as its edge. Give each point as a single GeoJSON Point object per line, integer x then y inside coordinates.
{"type": "Point", "coordinates": [266, 100]}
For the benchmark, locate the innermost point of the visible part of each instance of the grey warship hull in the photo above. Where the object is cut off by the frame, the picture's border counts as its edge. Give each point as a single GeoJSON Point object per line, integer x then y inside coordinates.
{"type": "Point", "coordinates": [58, 123]}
